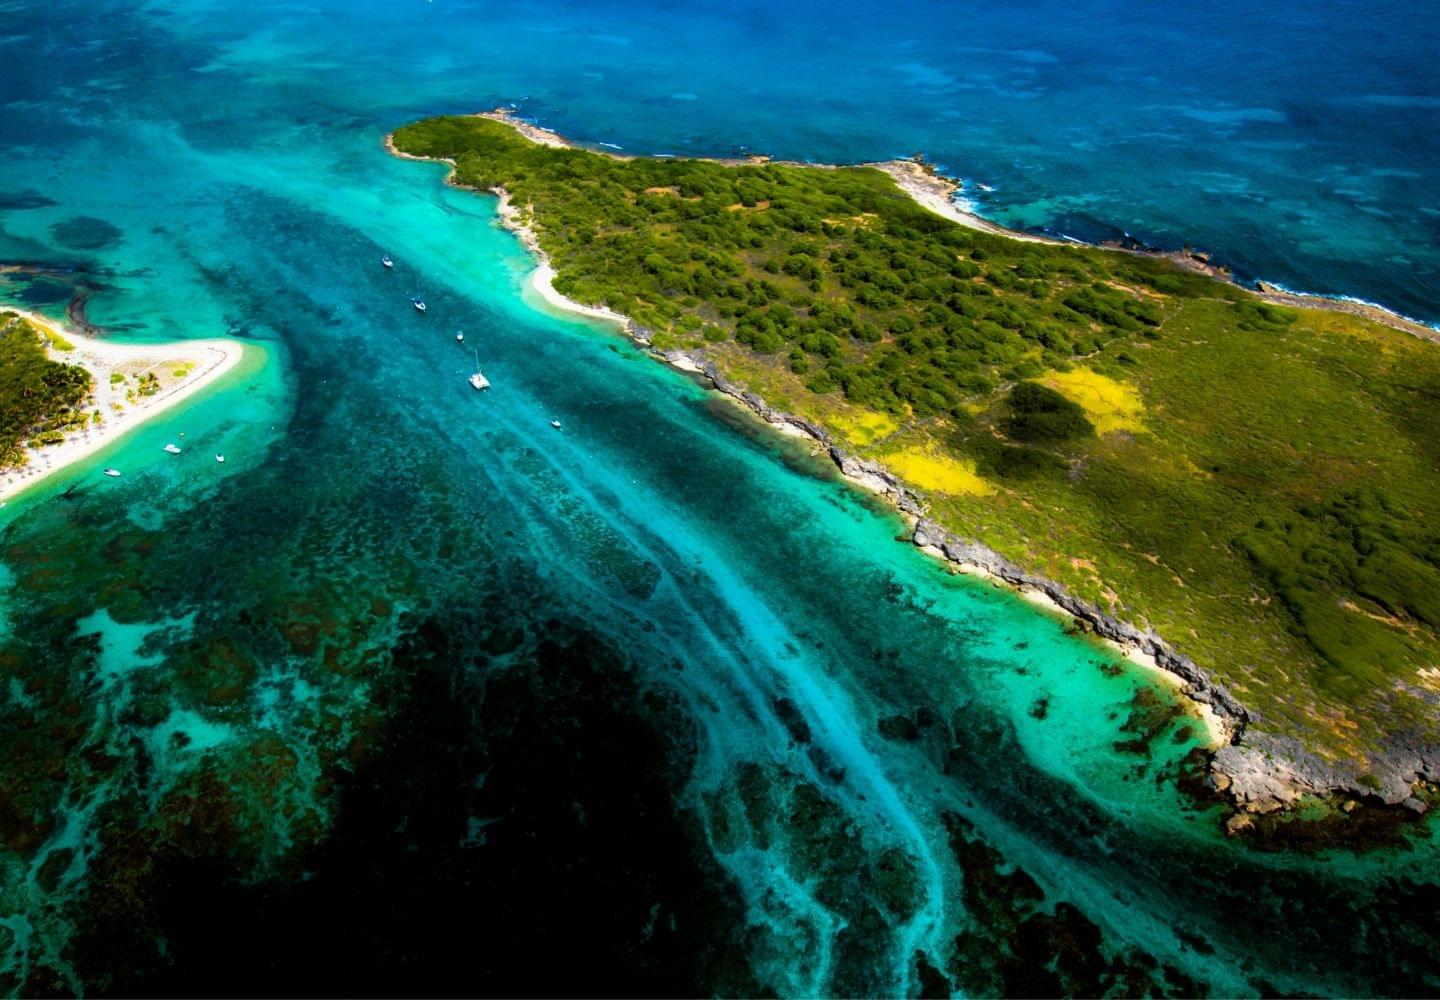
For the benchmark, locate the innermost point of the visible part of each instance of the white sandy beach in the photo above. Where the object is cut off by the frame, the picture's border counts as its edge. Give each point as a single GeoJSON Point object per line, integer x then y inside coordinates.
{"type": "Point", "coordinates": [121, 409]}
{"type": "Point", "coordinates": [937, 193]}
{"type": "Point", "coordinates": [541, 282]}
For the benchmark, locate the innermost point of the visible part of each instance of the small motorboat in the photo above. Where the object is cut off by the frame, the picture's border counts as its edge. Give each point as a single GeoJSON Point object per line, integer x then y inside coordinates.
{"type": "Point", "coordinates": [419, 304]}
{"type": "Point", "coordinates": [555, 424]}
{"type": "Point", "coordinates": [113, 473]}
{"type": "Point", "coordinates": [219, 458]}
{"type": "Point", "coordinates": [172, 449]}
{"type": "Point", "coordinates": [459, 336]}
{"type": "Point", "coordinates": [386, 262]}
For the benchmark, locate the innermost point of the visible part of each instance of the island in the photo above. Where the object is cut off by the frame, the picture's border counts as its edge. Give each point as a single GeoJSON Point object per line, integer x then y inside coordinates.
{"type": "Point", "coordinates": [65, 395]}
{"type": "Point", "coordinates": [1239, 484]}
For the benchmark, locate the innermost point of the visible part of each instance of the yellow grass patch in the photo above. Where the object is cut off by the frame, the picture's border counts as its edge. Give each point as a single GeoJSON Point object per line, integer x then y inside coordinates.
{"type": "Point", "coordinates": [863, 426]}
{"type": "Point", "coordinates": [1110, 405]}
{"type": "Point", "coordinates": [941, 473]}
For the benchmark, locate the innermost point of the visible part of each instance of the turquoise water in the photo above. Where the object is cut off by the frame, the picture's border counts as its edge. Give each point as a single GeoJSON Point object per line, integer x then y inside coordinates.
{"type": "Point", "coordinates": [415, 688]}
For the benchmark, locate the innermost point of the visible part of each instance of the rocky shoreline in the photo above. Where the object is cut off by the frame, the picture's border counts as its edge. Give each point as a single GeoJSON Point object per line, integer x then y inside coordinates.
{"type": "Point", "coordinates": [1255, 771]}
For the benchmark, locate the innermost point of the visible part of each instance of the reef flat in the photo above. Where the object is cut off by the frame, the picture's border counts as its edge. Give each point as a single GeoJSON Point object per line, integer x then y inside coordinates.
{"type": "Point", "coordinates": [1173, 455]}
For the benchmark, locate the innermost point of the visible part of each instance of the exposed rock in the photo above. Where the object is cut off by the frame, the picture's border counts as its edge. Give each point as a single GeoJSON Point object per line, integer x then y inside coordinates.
{"type": "Point", "coordinates": [1238, 822]}
{"type": "Point", "coordinates": [1198, 684]}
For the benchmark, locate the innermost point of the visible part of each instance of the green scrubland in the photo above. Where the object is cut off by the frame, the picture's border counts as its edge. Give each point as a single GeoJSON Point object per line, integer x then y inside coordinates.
{"type": "Point", "coordinates": [39, 398]}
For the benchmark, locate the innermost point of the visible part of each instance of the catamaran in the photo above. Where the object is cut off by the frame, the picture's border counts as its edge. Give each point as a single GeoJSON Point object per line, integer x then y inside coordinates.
{"type": "Point", "coordinates": [172, 449]}
{"type": "Point", "coordinates": [386, 262]}
{"type": "Point", "coordinates": [478, 380]}
{"type": "Point", "coordinates": [419, 304]}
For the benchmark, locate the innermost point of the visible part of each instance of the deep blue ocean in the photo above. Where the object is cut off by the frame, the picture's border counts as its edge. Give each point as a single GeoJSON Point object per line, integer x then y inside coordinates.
{"type": "Point", "coordinates": [415, 695]}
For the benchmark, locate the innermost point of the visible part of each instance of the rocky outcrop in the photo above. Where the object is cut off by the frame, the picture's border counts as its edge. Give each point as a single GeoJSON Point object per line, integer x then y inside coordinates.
{"type": "Point", "coordinates": [1198, 685]}
{"type": "Point", "coordinates": [1269, 771]}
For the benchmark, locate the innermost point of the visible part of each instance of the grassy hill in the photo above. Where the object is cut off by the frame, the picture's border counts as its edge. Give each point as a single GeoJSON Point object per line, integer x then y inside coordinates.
{"type": "Point", "coordinates": [1258, 483]}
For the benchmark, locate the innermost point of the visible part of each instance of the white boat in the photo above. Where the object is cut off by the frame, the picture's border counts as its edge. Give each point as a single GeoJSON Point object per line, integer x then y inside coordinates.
{"type": "Point", "coordinates": [219, 457]}
{"type": "Point", "coordinates": [478, 380]}
{"type": "Point", "coordinates": [113, 473]}
{"type": "Point", "coordinates": [555, 424]}
{"type": "Point", "coordinates": [172, 449]}
{"type": "Point", "coordinates": [459, 337]}
{"type": "Point", "coordinates": [419, 304]}
{"type": "Point", "coordinates": [386, 262]}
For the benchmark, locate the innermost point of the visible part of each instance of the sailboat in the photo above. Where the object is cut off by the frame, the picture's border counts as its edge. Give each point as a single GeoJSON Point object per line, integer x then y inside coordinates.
{"type": "Point", "coordinates": [419, 304]}
{"type": "Point", "coordinates": [478, 380]}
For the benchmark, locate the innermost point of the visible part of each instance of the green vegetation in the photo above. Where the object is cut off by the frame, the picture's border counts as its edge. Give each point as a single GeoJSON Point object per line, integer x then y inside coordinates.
{"type": "Point", "coordinates": [1040, 415]}
{"type": "Point", "coordinates": [1257, 483]}
{"type": "Point", "coordinates": [39, 399]}
{"type": "Point", "coordinates": [57, 342]}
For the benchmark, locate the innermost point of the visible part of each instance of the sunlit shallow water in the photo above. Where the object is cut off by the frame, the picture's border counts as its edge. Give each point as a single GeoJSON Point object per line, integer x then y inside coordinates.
{"type": "Point", "coordinates": [417, 683]}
